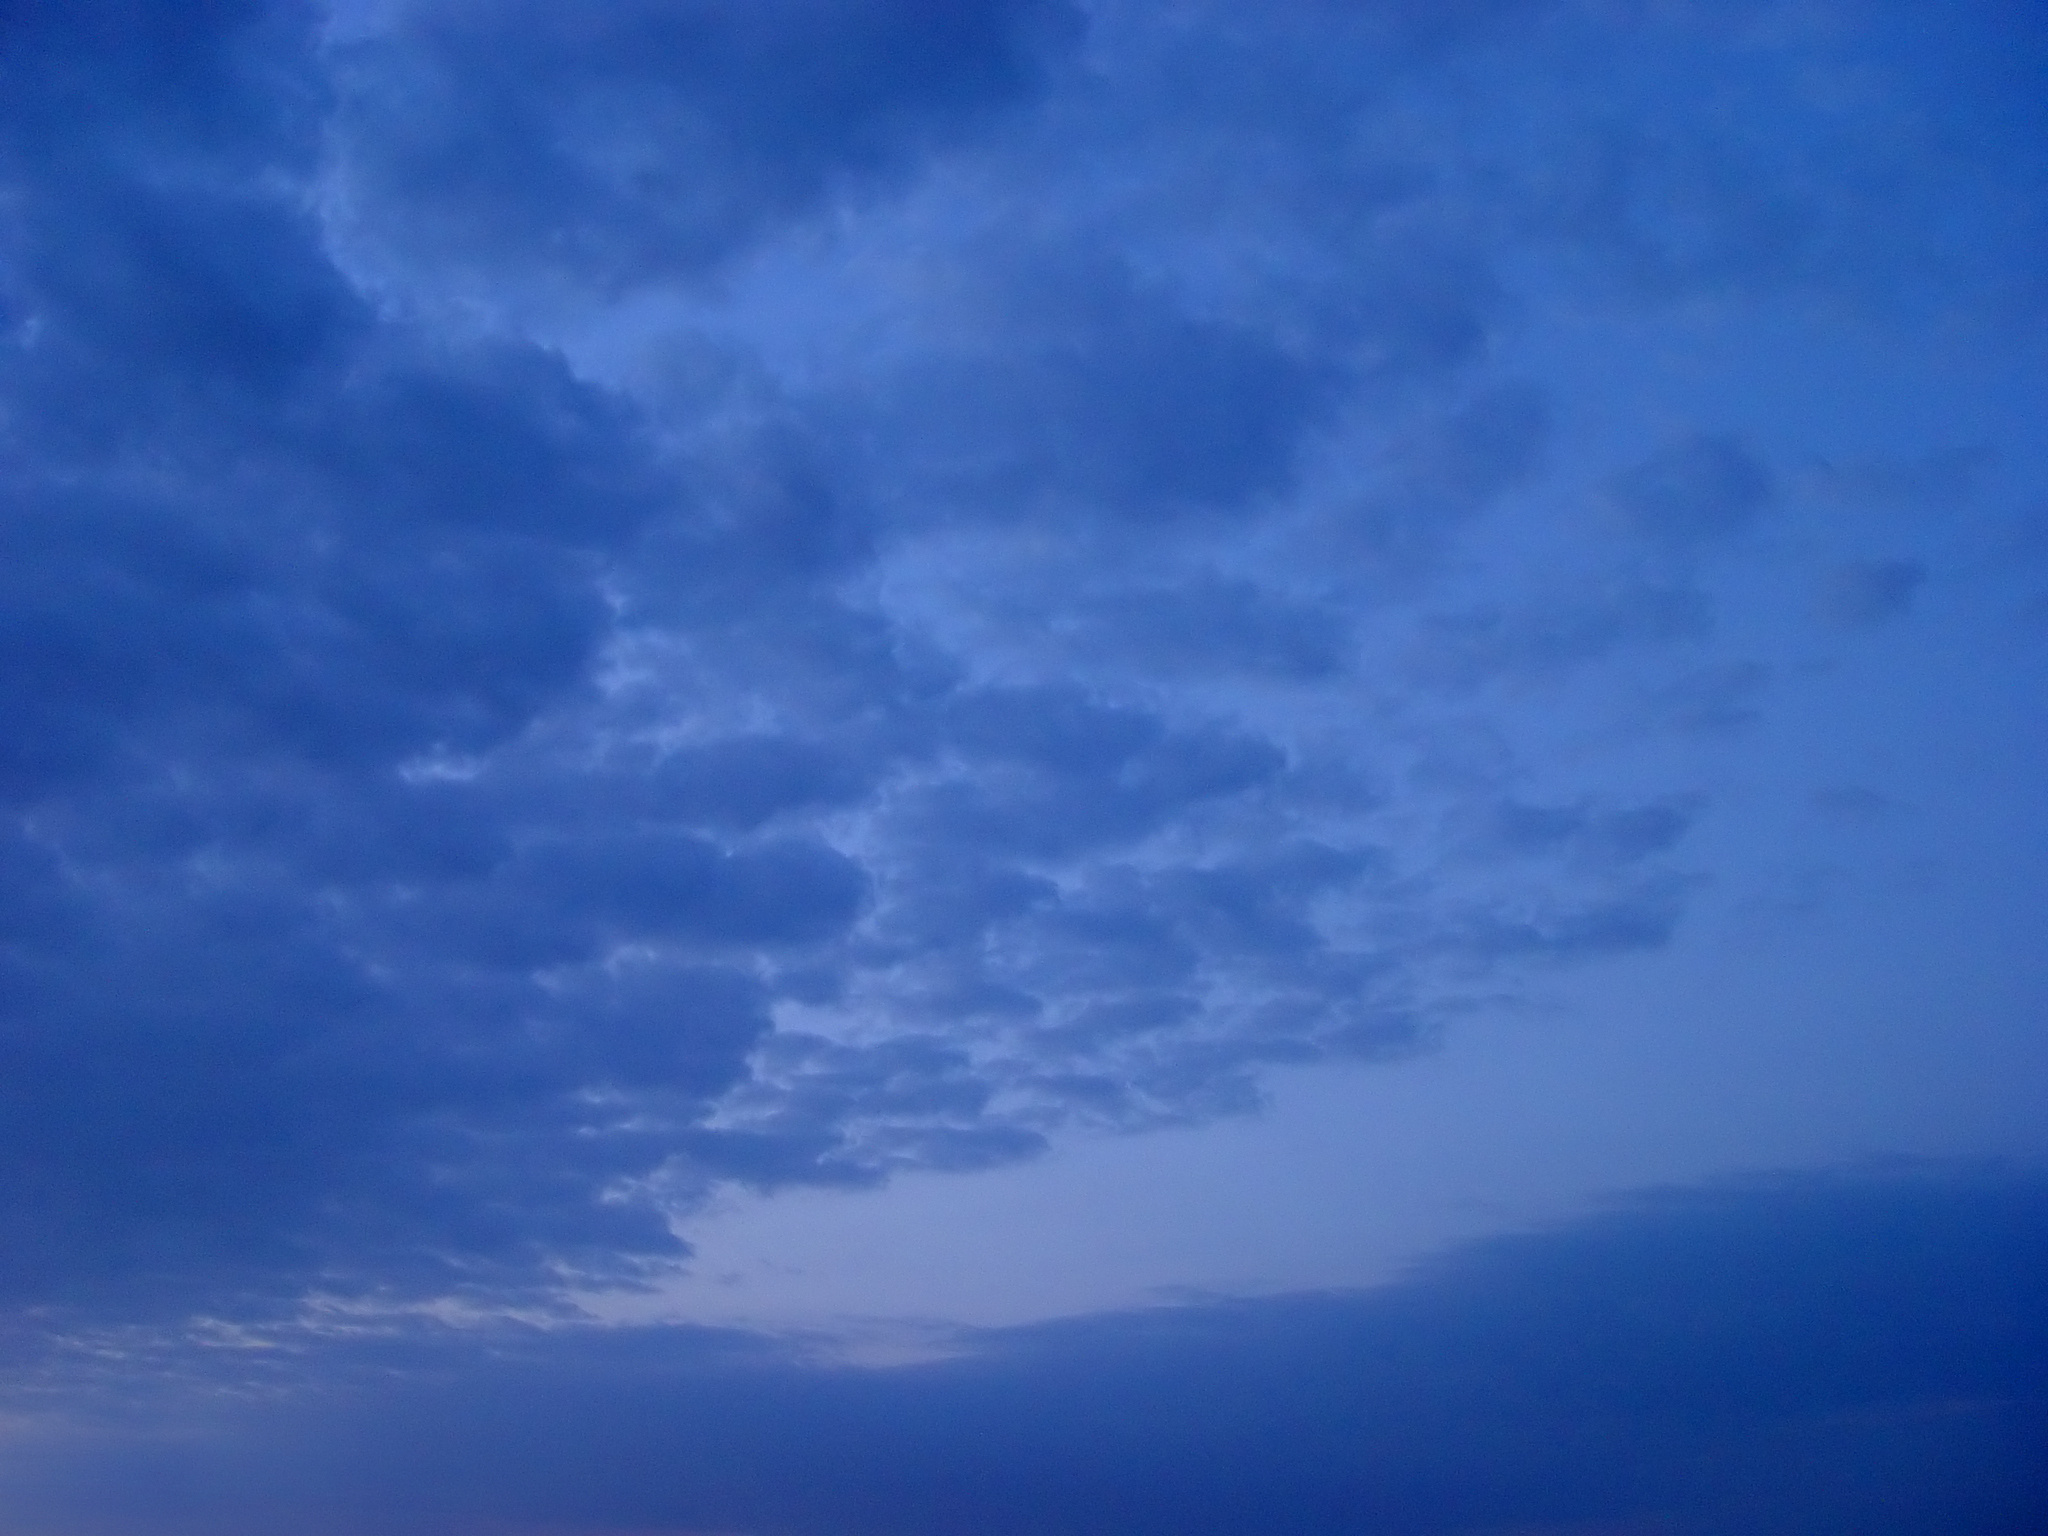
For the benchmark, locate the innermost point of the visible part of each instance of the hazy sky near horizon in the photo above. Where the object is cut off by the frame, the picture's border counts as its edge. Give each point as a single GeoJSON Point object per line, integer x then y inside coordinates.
{"type": "Point", "coordinates": [1005, 689]}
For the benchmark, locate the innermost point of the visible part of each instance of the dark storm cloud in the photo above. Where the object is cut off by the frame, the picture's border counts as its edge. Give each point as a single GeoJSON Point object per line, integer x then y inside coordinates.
{"type": "Point", "coordinates": [602, 600]}
{"type": "Point", "coordinates": [1797, 1355]}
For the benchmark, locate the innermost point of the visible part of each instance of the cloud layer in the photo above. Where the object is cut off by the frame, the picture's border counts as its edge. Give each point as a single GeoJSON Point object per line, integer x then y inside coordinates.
{"type": "Point", "coordinates": [604, 601]}
{"type": "Point", "coordinates": [1792, 1355]}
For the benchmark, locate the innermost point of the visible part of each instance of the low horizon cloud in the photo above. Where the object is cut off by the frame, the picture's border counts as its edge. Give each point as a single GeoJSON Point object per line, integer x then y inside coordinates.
{"type": "Point", "coordinates": [1863, 1350]}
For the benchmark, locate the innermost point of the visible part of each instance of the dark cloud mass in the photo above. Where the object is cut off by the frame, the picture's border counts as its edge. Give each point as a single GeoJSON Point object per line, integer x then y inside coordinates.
{"type": "Point", "coordinates": [618, 143]}
{"type": "Point", "coordinates": [606, 600]}
{"type": "Point", "coordinates": [1803, 1356]}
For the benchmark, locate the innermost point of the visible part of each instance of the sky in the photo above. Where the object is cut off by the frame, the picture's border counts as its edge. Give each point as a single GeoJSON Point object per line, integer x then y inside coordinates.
{"type": "Point", "coordinates": [814, 767]}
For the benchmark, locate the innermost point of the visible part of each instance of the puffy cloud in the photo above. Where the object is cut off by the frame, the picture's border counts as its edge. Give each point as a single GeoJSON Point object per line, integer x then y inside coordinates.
{"type": "Point", "coordinates": [607, 600]}
{"type": "Point", "coordinates": [628, 142]}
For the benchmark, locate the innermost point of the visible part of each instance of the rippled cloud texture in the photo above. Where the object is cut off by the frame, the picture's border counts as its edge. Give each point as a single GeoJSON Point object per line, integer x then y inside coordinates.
{"type": "Point", "coordinates": [610, 602]}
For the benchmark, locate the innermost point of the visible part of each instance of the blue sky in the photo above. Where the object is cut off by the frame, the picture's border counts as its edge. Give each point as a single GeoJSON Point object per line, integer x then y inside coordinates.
{"type": "Point", "coordinates": [1043, 766]}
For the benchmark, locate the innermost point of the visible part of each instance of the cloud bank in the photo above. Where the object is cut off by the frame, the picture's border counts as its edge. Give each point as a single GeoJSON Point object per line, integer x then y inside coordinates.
{"type": "Point", "coordinates": [610, 601]}
{"type": "Point", "coordinates": [1795, 1355]}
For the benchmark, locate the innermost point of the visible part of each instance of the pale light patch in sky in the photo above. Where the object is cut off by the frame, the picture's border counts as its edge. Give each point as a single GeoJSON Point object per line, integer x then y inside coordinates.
{"type": "Point", "coordinates": [1664, 1070]}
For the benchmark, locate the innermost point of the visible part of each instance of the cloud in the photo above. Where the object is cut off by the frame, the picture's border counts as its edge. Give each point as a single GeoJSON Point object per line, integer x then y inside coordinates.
{"type": "Point", "coordinates": [1694, 491]}
{"type": "Point", "coordinates": [620, 145]}
{"type": "Point", "coordinates": [608, 601]}
{"type": "Point", "coordinates": [1562, 632]}
{"type": "Point", "coordinates": [1946, 477]}
{"type": "Point", "coordinates": [1713, 699]}
{"type": "Point", "coordinates": [1797, 1354]}
{"type": "Point", "coordinates": [1862, 593]}
{"type": "Point", "coordinates": [1622, 834]}
{"type": "Point", "coordinates": [1210, 623]}
{"type": "Point", "coordinates": [1103, 398]}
